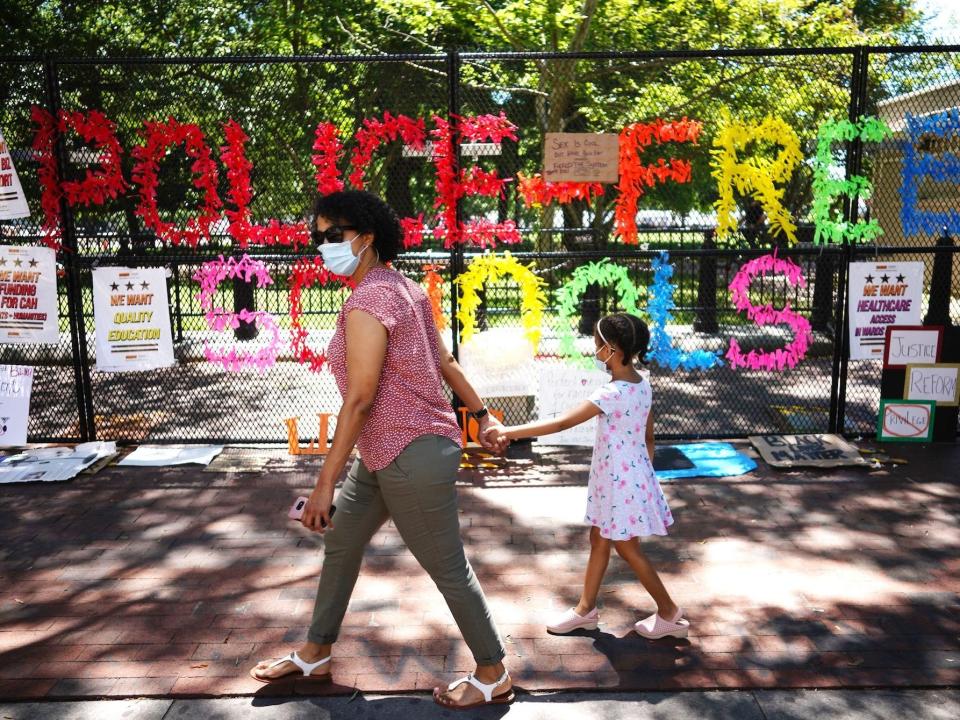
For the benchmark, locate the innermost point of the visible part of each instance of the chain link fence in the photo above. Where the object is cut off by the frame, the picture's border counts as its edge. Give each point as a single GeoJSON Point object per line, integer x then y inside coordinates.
{"type": "Point", "coordinates": [279, 102]}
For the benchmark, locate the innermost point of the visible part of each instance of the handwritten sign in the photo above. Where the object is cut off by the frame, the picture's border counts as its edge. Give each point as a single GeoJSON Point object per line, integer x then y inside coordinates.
{"type": "Point", "coordinates": [28, 295]}
{"type": "Point", "coordinates": [881, 294]}
{"type": "Point", "coordinates": [13, 204]}
{"type": "Point", "coordinates": [912, 345]}
{"type": "Point", "coordinates": [132, 319]}
{"type": "Point", "coordinates": [905, 420]}
{"type": "Point", "coordinates": [563, 387]}
{"type": "Point", "coordinates": [581, 157]}
{"type": "Point", "coordinates": [932, 382]}
{"type": "Point", "coordinates": [16, 382]}
{"type": "Point", "coordinates": [816, 450]}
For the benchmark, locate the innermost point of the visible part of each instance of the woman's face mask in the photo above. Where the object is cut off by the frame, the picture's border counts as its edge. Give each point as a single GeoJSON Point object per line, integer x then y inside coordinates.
{"type": "Point", "coordinates": [338, 257]}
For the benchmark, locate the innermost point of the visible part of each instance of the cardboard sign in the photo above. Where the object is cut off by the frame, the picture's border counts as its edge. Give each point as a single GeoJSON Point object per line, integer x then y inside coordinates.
{"type": "Point", "coordinates": [563, 387]}
{"type": "Point", "coordinates": [16, 382]}
{"type": "Point", "coordinates": [500, 363]}
{"type": "Point", "coordinates": [132, 319]}
{"type": "Point", "coordinates": [912, 345]}
{"type": "Point", "coordinates": [52, 464]}
{"type": "Point", "coordinates": [28, 295]}
{"type": "Point", "coordinates": [881, 294]}
{"type": "Point", "coordinates": [13, 203]}
{"type": "Point", "coordinates": [816, 450]}
{"type": "Point", "coordinates": [905, 420]}
{"type": "Point", "coordinates": [581, 157]}
{"type": "Point", "coordinates": [933, 382]}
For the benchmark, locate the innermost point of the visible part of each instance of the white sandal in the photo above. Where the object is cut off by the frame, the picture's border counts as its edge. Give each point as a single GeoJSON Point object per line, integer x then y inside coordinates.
{"type": "Point", "coordinates": [305, 667]}
{"type": "Point", "coordinates": [486, 691]}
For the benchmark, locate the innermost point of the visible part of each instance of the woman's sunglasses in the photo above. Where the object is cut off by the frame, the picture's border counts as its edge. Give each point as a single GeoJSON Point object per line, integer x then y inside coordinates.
{"type": "Point", "coordinates": [332, 234]}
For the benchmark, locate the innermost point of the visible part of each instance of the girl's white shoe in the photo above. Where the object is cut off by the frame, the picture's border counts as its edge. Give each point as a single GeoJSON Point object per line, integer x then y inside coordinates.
{"type": "Point", "coordinates": [570, 621]}
{"type": "Point", "coordinates": [656, 627]}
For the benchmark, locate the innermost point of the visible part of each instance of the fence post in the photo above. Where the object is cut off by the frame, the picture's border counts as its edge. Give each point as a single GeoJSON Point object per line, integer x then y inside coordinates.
{"type": "Point", "coordinates": [938, 311]}
{"type": "Point", "coordinates": [841, 340]}
{"type": "Point", "coordinates": [706, 320]}
{"type": "Point", "coordinates": [456, 250]}
{"type": "Point", "coordinates": [70, 257]}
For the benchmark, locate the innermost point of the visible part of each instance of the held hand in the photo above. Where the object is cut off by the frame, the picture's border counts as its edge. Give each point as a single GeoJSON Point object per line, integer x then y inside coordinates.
{"type": "Point", "coordinates": [491, 435]}
{"type": "Point", "coordinates": [316, 515]}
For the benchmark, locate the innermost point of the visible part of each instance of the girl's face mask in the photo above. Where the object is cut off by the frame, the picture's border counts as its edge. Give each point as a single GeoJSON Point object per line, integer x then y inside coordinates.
{"type": "Point", "coordinates": [602, 364]}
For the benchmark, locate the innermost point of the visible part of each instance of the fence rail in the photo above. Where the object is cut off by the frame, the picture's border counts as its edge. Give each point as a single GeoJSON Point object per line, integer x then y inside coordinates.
{"type": "Point", "coordinates": [280, 100]}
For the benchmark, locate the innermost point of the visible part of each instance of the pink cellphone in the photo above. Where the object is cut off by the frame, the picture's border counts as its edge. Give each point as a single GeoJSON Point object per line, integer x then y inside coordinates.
{"type": "Point", "coordinates": [296, 510]}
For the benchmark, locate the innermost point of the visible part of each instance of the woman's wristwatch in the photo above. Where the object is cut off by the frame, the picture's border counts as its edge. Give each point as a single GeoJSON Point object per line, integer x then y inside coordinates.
{"type": "Point", "coordinates": [479, 414]}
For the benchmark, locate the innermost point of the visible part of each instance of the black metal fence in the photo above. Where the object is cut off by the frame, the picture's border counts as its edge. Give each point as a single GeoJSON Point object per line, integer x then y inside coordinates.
{"type": "Point", "coordinates": [279, 101]}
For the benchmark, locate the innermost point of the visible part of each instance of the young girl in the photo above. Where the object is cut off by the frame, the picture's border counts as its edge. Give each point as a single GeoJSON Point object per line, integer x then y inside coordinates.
{"type": "Point", "coordinates": [624, 499]}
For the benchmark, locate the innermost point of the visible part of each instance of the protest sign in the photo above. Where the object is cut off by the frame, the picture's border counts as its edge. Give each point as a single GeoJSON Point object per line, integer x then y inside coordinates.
{"type": "Point", "coordinates": [932, 382]}
{"type": "Point", "coordinates": [912, 344]}
{"type": "Point", "coordinates": [563, 387]}
{"type": "Point", "coordinates": [28, 295]}
{"type": "Point", "coordinates": [581, 157]}
{"type": "Point", "coordinates": [881, 294]}
{"type": "Point", "coordinates": [905, 420]}
{"type": "Point", "coordinates": [815, 450]}
{"type": "Point", "coordinates": [16, 382]}
{"type": "Point", "coordinates": [132, 319]}
{"type": "Point", "coordinates": [13, 203]}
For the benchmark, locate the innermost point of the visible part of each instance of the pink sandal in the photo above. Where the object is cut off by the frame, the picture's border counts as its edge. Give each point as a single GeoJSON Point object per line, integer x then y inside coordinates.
{"type": "Point", "coordinates": [656, 627]}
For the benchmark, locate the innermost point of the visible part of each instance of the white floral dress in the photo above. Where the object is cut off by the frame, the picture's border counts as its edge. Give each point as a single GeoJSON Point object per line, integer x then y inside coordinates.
{"type": "Point", "coordinates": [624, 498]}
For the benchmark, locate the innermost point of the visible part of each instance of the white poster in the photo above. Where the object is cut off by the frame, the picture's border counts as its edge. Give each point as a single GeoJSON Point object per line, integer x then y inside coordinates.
{"type": "Point", "coordinates": [563, 387]}
{"type": "Point", "coordinates": [499, 363]}
{"type": "Point", "coordinates": [881, 294]}
{"type": "Point", "coordinates": [132, 319]}
{"type": "Point", "coordinates": [13, 204]}
{"type": "Point", "coordinates": [28, 295]}
{"type": "Point", "coordinates": [16, 382]}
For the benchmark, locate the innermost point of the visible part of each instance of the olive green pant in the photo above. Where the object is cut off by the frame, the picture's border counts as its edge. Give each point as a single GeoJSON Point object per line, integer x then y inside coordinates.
{"type": "Point", "coordinates": [418, 491]}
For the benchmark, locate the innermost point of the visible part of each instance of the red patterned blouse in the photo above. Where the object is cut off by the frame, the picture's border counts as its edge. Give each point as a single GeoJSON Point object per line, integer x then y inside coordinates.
{"type": "Point", "coordinates": [410, 401]}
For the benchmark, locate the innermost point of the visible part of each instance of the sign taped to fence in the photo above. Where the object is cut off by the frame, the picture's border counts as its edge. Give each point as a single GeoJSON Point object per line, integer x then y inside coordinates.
{"type": "Point", "coordinates": [16, 382]}
{"type": "Point", "coordinates": [813, 450]}
{"type": "Point", "coordinates": [881, 294]}
{"type": "Point", "coordinates": [562, 387]}
{"type": "Point", "coordinates": [906, 420]}
{"type": "Point", "coordinates": [132, 319]}
{"type": "Point", "coordinates": [581, 157]}
{"type": "Point", "coordinates": [13, 203]}
{"type": "Point", "coordinates": [912, 345]}
{"type": "Point", "coordinates": [28, 295]}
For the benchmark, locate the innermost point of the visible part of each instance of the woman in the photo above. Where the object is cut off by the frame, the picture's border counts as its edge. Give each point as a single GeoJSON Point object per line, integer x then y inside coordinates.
{"type": "Point", "coordinates": [388, 361]}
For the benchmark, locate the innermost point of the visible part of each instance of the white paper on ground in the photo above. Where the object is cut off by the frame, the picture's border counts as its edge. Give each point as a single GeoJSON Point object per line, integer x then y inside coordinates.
{"type": "Point", "coordinates": [54, 463]}
{"type": "Point", "coordinates": [161, 455]}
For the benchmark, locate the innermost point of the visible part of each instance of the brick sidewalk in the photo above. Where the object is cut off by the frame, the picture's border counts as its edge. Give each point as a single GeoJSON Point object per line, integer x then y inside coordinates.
{"type": "Point", "coordinates": [172, 582]}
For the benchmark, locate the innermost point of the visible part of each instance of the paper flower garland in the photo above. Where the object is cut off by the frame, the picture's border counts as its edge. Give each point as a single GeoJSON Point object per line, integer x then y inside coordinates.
{"type": "Point", "coordinates": [44, 152]}
{"type": "Point", "coordinates": [659, 306]}
{"type": "Point", "coordinates": [304, 274]}
{"type": "Point", "coordinates": [603, 273]}
{"type": "Point", "coordinates": [433, 286]}
{"type": "Point", "coordinates": [755, 176]}
{"type": "Point", "coordinates": [635, 177]}
{"type": "Point", "coordinates": [210, 275]}
{"type": "Point", "coordinates": [944, 126]}
{"type": "Point", "coordinates": [828, 182]}
{"type": "Point", "coordinates": [491, 268]}
{"type": "Point", "coordinates": [158, 137]}
{"type": "Point", "coordinates": [374, 133]}
{"type": "Point", "coordinates": [234, 158]}
{"type": "Point", "coordinates": [781, 358]}
{"type": "Point", "coordinates": [327, 151]}
{"type": "Point", "coordinates": [106, 183]}
{"type": "Point", "coordinates": [537, 192]}
{"type": "Point", "coordinates": [451, 185]}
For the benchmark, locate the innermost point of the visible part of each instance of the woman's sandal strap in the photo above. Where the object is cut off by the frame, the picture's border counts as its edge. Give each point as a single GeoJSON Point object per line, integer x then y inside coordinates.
{"type": "Point", "coordinates": [305, 667]}
{"type": "Point", "coordinates": [485, 689]}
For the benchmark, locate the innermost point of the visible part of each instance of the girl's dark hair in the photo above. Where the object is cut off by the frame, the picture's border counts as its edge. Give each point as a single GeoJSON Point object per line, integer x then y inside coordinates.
{"type": "Point", "coordinates": [628, 332]}
{"type": "Point", "coordinates": [367, 213]}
